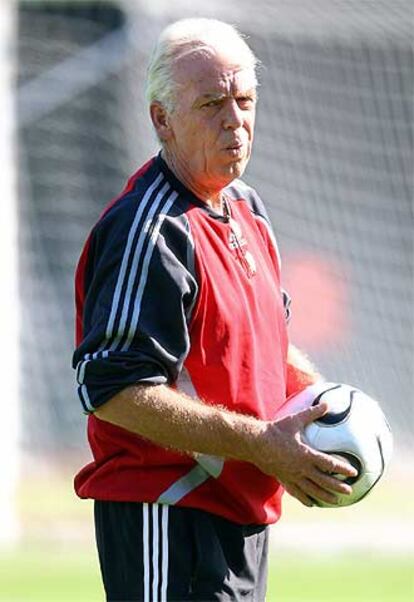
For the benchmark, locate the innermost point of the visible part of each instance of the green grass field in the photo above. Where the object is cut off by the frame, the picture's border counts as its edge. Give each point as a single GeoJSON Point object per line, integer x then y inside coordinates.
{"type": "Point", "coordinates": [356, 578]}
{"type": "Point", "coordinates": [38, 575]}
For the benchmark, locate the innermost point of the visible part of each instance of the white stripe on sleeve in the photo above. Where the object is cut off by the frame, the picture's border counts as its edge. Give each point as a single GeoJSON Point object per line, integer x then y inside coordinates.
{"type": "Point", "coordinates": [123, 270]}
{"type": "Point", "coordinates": [145, 267]}
{"type": "Point", "coordinates": [143, 236]}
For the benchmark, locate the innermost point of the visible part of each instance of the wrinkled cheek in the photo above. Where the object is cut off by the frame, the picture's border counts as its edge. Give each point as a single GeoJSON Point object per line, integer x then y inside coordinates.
{"type": "Point", "coordinates": [249, 150]}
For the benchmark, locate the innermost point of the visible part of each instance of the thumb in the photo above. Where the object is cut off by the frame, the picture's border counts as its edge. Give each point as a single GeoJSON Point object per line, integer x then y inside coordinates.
{"type": "Point", "coordinates": [313, 413]}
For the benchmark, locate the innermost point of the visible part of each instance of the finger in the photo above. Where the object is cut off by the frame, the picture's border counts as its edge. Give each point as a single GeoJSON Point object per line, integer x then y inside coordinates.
{"type": "Point", "coordinates": [329, 482]}
{"type": "Point", "coordinates": [313, 413]}
{"type": "Point", "coordinates": [333, 465]}
{"type": "Point", "coordinates": [313, 490]}
{"type": "Point", "coordinates": [297, 493]}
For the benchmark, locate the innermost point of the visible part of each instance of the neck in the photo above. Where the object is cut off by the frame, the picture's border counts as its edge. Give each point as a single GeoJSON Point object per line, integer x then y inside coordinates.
{"type": "Point", "coordinates": [209, 195]}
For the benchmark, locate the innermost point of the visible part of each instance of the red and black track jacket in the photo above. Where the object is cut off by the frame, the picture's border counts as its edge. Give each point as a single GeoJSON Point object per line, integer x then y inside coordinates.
{"type": "Point", "coordinates": [168, 291]}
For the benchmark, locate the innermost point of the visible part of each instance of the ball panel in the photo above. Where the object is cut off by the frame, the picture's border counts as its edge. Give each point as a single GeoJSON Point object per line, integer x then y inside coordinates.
{"type": "Point", "coordinates": [339, 405]}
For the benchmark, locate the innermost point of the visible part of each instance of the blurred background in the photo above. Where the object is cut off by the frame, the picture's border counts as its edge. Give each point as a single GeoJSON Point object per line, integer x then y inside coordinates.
{"type": "Point", "coordinates": [333, 161]}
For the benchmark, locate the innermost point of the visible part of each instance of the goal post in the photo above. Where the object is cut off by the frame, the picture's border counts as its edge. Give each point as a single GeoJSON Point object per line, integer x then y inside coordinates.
{"type": "Point", "coordinates": [9, 315]}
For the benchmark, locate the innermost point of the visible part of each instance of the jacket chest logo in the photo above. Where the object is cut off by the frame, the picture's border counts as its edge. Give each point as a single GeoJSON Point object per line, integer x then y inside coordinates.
{"type": "Point", "coordinates": [238, 245]}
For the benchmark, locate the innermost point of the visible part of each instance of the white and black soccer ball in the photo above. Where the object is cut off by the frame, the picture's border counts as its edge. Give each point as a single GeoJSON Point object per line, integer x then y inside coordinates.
{"type": "Point", "coordinates": [354, 429]}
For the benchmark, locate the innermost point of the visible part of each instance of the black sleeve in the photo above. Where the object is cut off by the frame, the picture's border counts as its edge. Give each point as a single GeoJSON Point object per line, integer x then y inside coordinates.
{"type": "Point", "coordinates": [137, 308]}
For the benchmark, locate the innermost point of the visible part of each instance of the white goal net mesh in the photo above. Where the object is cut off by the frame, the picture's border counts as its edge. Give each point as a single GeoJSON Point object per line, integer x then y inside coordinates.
{"type": "Point", "coordinates": [332, 161]}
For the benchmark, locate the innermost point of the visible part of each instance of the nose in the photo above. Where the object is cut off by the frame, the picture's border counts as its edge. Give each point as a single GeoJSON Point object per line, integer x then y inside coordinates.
{"type": "Point", "coordinates": [233, 116]}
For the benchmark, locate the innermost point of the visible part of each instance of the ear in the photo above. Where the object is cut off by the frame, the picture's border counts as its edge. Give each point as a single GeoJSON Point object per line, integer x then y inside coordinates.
{"type": "Point", "coordinates": [159, 118]}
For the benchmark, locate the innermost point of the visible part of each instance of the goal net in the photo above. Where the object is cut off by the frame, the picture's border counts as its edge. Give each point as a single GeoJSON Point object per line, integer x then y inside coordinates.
{"type": "Point", "coordinates": [332, 161]}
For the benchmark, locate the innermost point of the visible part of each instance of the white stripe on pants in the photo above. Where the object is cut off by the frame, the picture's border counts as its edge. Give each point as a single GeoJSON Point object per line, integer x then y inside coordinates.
{"type": "Point", "coordinates": [152, 546]}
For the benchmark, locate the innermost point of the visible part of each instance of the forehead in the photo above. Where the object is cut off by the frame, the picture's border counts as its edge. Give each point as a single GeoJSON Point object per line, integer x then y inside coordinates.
{"type": "Point", "coordinates": [206, 73]}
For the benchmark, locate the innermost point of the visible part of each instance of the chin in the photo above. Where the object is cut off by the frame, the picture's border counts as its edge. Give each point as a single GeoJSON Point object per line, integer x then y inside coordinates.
{"type": "Point", "coordinates": [230, 171]}
{"type": "Point", "coordinates": [237, 168]}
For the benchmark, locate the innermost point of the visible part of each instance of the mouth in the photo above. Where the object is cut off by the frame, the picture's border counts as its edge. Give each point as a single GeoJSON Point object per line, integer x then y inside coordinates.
{"type": "Point", "coordinates": [235, 150]}
{"type": "Point", "coordinates": [235, 146]}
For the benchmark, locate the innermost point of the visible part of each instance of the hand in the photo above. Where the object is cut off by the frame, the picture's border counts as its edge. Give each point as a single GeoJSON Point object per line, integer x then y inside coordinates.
{"type": "Point", "coordinates": [304, 472]}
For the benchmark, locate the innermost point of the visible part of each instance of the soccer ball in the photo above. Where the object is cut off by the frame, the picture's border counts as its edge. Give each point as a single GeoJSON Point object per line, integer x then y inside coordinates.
{"type": "Point", "coordinates": [354, 429]}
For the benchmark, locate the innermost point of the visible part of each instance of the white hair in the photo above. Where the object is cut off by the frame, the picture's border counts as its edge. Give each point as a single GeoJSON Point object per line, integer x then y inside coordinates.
{"type": "Point", "coordinates": [185, 36]}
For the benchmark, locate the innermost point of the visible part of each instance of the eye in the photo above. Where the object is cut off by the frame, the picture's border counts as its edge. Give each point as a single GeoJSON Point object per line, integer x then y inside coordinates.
{"type": "Point", "coordinates": [213, 103]}
{"type": "Point", "coordinates": [245, 102]}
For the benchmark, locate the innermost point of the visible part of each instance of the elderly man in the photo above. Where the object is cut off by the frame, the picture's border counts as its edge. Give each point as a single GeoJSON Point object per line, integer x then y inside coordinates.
{"type": "Point", "coordinates": [182, 358]}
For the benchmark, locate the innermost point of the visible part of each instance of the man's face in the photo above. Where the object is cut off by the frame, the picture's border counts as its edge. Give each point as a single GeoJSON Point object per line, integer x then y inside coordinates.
{"type": "Point", "coordinates": [213, 121]}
